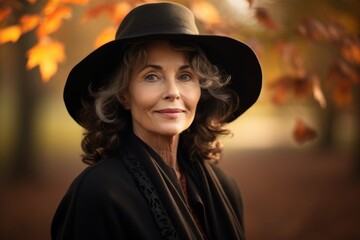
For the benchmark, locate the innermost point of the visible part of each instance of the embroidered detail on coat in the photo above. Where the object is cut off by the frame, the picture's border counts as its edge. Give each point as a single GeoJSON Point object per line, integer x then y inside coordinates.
{"type": "Point", "coordinates": [148, 190]}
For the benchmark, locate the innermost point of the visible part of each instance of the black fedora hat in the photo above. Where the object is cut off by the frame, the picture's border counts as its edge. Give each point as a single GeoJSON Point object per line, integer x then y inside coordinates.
{"type": "Point", "coordinates": [166, 20]}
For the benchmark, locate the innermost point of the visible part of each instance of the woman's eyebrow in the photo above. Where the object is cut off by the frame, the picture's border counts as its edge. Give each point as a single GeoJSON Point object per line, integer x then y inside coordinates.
{"type": "Point", "coordinates": [184, 67]}
{"type": "Point", "coordinates": [151, 66]}
{"type": "Point", "coordinates": [159, 67]}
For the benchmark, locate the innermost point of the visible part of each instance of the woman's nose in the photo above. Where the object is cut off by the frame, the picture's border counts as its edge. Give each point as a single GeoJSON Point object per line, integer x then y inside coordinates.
{"type": "Point", "coordinates": [171, 91]}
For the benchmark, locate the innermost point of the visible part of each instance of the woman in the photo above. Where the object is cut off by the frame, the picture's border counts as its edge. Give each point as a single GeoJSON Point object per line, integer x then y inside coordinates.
{"type": "Point", "coordinates": [153, 103]}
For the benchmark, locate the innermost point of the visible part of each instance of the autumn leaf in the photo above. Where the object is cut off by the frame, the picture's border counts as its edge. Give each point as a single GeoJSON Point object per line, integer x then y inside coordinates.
{"type": "Point", "coordinates": [290, 85]}
{"type": "Point", "coordinates": [302, 132]}
{"type": "Point", "coordinates": [96, 11]}
{"type": "Point", "coordinates": [279, 91]}
{"type": "Point", "coordinates": [120, 11]}
{"type": "Point", "coordinates": [114, 11]}
{"type": "Point", "coordinates": [340, 80]}
{"type": "Point", "coordinates": [53, 21]}
{"type": "Point", "coordinates": [4, 13]}
{"type": "Point", "coordinates": [313, 29]}
{"type": "Point", "coordinates": [290, 55]}
{"type": "Point", "coordinates": [29, 22]}
{"type": "Point", "coordinates": [10, 34]}
{"type": "Point", "coordinates": [351, 50]}
{"type": "Point", "coordinates": [263, 16]}
{"type": "Point", "coordinates": [316, 30]}
{"type": "Point", "coordinates": [105, 36]}
{"type": "Point", "coordinates": [206, 12]}
{"type": "Point", "coordinates": [76, 2]}
{"type": "Point", "coordinates": [47, 54]}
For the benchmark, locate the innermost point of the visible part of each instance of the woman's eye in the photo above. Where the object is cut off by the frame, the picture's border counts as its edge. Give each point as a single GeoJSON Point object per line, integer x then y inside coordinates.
{"type": "Point", "coordinates": [185, 77]}
{"type": "Point", "coordinates": [151, 77]}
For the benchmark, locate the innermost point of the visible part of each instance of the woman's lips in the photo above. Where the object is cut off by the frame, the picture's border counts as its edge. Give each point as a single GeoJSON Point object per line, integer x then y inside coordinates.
{"type": "Point", "coordinates": [170, 112]}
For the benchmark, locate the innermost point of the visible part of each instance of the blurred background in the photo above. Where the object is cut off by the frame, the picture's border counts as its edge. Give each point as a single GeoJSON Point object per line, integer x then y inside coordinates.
{"type": "Point", "coordinates": [295, 154]}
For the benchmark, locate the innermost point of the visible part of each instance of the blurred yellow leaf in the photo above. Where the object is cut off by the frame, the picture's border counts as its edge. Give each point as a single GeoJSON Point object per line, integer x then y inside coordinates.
{"type": "Point", "coordinates": [29, 22]}
{"type": "Point", "coordinates": [206, 12]}
{"type": "Point", "coordinates": [53, 21]}
{"type": "Point", "coordinates": [46, 54]}
{"type": "Point", "coordinates": [105, 36]}
{"type": "Point", "coordinates": [10, 34]}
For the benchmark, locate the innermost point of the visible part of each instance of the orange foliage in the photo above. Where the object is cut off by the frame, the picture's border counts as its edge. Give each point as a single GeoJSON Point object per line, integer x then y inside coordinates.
{"type": "Point", "coordinates": [46, 54]}
{"type": "Point", "coordinates": [299, 83]}
{"type": "Point", "coordinates": [351, 50]}
{"type": "Point", "coordinates": [10, 34]}
{"type": "Point", "coordinates": [114, 11]}
{"type": "Point", "coordinates": [316, 30]}
{"type": "Point", "coordinates": [105, 36]}
{"type": "Point", "coordinates": [302, 132]}
{"type": "Point", "coordinates": [76, 2]}
{"type": "Point", "coordinates": [206, 12]}
{"type": "Point", "coordinates": [29, 22]}
{"type": "Point", "coordinates": [4, 13]}
{"type": "Point", "coordinates": [340, 80]}
{"type": "Point", "coordinates": [52, 21]}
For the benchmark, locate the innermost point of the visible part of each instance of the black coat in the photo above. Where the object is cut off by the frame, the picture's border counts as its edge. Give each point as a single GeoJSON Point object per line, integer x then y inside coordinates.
{"type": "Point", "coordinates": [135, 195]}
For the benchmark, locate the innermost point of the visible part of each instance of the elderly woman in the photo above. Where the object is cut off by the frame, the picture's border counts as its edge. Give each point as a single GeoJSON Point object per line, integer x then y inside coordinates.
{"type": "Point", "coordinates": [153, 103]}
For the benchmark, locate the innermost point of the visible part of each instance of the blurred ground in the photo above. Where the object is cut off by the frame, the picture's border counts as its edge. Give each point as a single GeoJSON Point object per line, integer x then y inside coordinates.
{"type": "Point", "coordinates": [287, 196]}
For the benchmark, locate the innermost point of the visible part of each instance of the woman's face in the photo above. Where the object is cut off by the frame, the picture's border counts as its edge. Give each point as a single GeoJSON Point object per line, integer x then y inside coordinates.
{"type": "Point", "coordinates": [162, 94]}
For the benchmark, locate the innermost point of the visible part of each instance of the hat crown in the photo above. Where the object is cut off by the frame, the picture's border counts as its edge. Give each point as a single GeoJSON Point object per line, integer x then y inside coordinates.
{"type": "Point", "coordinates": [157, 18]}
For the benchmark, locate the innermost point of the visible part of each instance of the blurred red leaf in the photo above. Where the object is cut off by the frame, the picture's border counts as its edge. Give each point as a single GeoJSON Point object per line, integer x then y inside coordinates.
{"type": "Point", "coordinates": [340, 79]}
{"type": "Point", "coordinates": [290, 55]}
{"type": "Point", "coordinates": [280, 90]}
{"type": "Point", "coordinates": [315, 30]}
{"type": "Point", "coordinates": [302, 132]}
{"type": "Point", "coordinates": [263, 16]}
{"type": "Point", "coordinates": [288, 85]}
{"type": "Point", "coordinates": [4, 13]}
{"type": "Point", "coordinates": [351, 50]}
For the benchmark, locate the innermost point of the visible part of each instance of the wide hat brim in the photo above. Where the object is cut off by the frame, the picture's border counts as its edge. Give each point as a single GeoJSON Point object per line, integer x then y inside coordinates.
{"type": "Point", "coordinates": [230, 55]}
